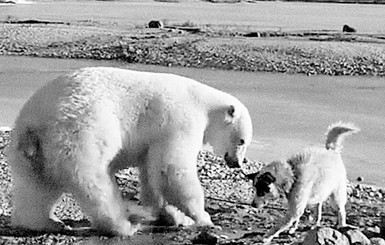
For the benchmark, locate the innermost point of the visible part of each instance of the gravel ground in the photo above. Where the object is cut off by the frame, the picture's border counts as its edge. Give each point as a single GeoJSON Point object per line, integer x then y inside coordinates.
{"type": "Point", "coordinates": [313, 52]}
{"type": "Point", "coordinates": [228, 194]}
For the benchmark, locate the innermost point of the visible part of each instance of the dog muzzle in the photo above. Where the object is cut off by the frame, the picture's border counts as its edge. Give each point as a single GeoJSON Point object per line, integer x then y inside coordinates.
{"type": "Point", "coordinates": [258, 204]}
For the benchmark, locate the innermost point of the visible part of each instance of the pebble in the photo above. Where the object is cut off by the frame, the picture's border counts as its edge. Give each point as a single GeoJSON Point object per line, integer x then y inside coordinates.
{"type": "Point", "coordinates": [360, 179]}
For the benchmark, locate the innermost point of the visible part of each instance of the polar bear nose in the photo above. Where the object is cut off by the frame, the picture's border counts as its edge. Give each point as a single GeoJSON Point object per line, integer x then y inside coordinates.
{"type": "Point", "coordinates": [232, 162]}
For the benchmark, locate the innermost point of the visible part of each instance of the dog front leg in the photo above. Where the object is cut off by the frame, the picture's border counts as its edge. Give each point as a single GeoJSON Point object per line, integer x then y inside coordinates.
{"type": "Point", "coordinates": [294, 227]}
{"type": "Point", "coordinates": [318, 214]}
{"type": "Point", "coordinates": [293, 214]}
{"type": "Point", "coordinates": [286, 223]}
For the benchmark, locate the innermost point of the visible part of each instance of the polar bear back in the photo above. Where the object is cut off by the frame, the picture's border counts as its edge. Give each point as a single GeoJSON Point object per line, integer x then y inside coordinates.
{"type": "Point", "coordinates": [163, 103]}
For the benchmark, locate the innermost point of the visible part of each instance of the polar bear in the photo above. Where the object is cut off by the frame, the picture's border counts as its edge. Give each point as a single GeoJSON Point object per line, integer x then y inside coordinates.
{"type": "Point", "coordinates": [78, 130]}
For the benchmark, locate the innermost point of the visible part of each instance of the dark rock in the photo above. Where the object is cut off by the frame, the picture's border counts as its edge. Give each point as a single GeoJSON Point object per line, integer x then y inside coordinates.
{"type": "Point", "coordinates": [325, 235]}
{"type": "Point", "coordinates": [155, 24]}
{"type": "Point", "coordinates": [205, 237]}
{"type": "Point", "coordinates": [347, 28]}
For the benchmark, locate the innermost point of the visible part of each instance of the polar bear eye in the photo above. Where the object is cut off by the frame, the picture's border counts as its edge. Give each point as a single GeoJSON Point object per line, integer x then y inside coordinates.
{"type": "Point", "coordinates": [242, 142]}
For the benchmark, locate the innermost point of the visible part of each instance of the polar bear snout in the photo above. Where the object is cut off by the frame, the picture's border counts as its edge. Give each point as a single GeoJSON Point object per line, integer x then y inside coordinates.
{"type": "Point", "coordinates": [234, 161]}
{"type": "Point", "coordinates": [235, 155]}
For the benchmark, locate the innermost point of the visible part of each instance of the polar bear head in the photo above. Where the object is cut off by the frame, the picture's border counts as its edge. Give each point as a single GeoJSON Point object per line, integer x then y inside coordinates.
{"type": "Point", "coordinates": [229, 132]}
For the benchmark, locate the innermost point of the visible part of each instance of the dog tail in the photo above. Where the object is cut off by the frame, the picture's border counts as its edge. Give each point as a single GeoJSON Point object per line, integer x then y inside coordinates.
{"type": "Point", "coordinates": [336, 134]}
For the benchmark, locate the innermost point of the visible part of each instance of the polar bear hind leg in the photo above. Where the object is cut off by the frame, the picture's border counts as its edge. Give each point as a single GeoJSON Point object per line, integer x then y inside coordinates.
{"type": "Point", "coordinates": [83, 171]}
{"type": "Point", "coordinates": [32, 206]}
{"type": "Point", "coordinates": [32, 200]}
{"type": "Point", "coordinates": [96, 190]}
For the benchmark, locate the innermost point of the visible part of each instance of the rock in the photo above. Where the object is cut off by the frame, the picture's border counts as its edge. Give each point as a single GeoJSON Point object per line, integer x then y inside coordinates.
{"type": "Point", "coordinates": [347, 28]}
{"type": "Point", "coordinates": [360, 179]}
{"type": "Point", "coordinates": [355, 236]}
{"type": "Point", "coordinates": [377, 241]}
{"type": "Point", "coordinates": [205, 237]}
{"type": "Point", "coordinates": [155, 24]}
{"type": "Point", "coordinates": [325, 235]}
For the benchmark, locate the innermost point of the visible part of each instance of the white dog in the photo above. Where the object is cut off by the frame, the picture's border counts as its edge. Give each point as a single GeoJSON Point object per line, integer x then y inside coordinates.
{"type": "Point", "coordinates": [307, 178]}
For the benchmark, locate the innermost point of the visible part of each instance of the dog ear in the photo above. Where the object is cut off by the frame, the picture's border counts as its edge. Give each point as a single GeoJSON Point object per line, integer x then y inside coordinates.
{"type": "Point", "coordinates": [287, 186]}
{"type": "Point", "coordinates": [268, 178]}
{"type": "Point", "coordinates": [251, 176]}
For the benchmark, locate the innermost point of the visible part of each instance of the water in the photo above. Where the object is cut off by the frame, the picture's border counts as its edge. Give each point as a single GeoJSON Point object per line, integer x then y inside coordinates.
{"type": "Point", "coordinates": [289, 112]}
{"type": "Point", "coordinates": [262, 15]}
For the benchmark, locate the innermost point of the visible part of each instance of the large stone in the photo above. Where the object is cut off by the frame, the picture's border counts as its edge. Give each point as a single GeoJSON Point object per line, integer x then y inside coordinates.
{"type": "Point", "coordinates": [155, 24]}
{"type": "Point", "coordinates": [377, 241]}
{"type": "Point", "coordinates": [355, 236]}
{"type": "Point", "coordinates": [325, 236]}
{"type": "Point", "coordinates": [347, 28]}
{"type": "Point", "coordinates": [205, 237]}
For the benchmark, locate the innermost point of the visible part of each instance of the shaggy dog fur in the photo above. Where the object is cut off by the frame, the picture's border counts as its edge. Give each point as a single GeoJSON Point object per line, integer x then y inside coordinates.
{"type": "Point", "coordinates": [307, 178]}
{"type": "Point", "coordinates": [77, 131]}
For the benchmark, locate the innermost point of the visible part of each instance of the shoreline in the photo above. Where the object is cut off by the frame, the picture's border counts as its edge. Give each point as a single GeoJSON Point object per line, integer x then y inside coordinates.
{"type": "Point", "coordinates": [335, 54]}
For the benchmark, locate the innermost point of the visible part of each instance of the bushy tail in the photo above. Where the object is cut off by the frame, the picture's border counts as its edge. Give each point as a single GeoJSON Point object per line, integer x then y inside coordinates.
{"type": "Point", "coordinates": [336, 134]}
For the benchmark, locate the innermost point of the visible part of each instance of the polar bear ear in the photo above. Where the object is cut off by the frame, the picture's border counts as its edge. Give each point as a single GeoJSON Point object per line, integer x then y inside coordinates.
{"type": "Point", "coordinates": [230, 114]}
{"type": "Point", "coordinates": [231, 110]}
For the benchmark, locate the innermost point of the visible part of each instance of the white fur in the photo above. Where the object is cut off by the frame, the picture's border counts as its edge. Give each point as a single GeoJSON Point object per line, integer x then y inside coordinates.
{"type": "Point", "coordinates": [309, 178]}
{"type": "Point", "coordinates": [77, 131]}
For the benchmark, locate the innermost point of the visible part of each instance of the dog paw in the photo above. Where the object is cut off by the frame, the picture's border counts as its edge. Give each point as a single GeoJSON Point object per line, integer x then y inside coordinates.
{"type": "Point", "coordinates": [267, 240]}
{"type": "Point", "coordinates": [292, 230]}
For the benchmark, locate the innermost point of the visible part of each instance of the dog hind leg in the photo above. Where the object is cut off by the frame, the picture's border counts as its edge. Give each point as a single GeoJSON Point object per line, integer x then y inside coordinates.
{"type": "Point", "coordinates": [339, 199]}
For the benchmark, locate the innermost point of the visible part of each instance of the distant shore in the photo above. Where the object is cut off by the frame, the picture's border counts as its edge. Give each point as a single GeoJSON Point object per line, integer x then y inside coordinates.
{"type": "Point", "coordinates": [335, 53]}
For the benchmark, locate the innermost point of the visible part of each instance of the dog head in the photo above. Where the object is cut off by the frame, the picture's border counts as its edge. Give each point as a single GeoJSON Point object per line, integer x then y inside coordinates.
{"type": "Point", "coordinates": [274, 180]}
{"type": "Point", "coordinates": [264, 185]}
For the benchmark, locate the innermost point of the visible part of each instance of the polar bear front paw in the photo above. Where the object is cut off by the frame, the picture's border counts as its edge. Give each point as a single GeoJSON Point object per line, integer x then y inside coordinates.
{"type": "Point", "coordinates": [204, 220]}
{"type": "Point", "coordinates": [173, 216]}
{"type": "Point", "coordinates": [128, 229]}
